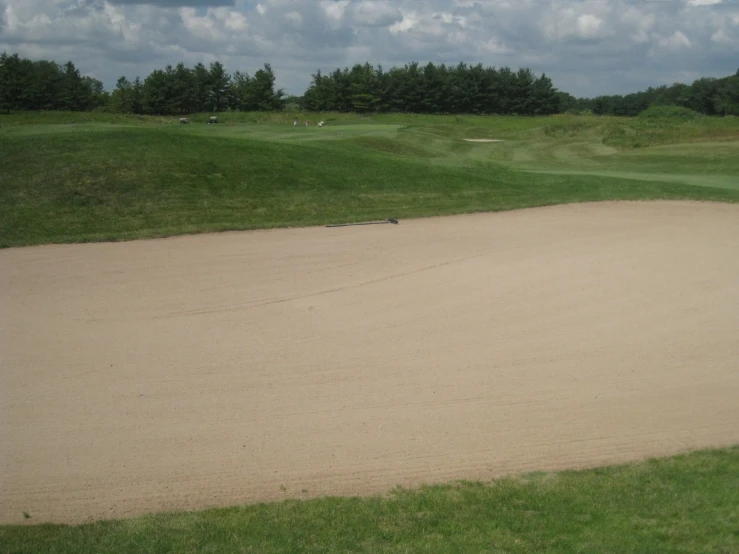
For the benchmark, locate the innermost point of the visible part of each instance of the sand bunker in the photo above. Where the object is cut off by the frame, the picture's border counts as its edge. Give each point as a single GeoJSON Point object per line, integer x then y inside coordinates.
{"type": "Point", "coordinates": [215, 369]}
{"type": "Point", "coordinates": [483, 140]}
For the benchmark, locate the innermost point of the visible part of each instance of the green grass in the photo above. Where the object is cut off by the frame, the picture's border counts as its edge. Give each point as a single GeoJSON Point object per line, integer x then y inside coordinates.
{"type": "Point", "coordinates": [95, 176]}
{"type": "Point", "coordinates": [685, 504]}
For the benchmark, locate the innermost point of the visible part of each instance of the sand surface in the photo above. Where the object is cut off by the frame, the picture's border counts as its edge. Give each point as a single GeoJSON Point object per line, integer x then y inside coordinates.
{"type": "Point", "coordinates": [215, 369]}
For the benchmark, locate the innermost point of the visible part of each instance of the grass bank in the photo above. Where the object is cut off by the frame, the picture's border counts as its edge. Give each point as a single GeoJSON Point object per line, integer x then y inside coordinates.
{"type": "Point", "coordinates": [82, 177]}
{"type": "Point", "coordinates": [685, 504]}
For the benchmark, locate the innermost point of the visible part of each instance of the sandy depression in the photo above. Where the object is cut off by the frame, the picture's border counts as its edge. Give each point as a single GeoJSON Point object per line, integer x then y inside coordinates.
{"type": "Point", "coordinates": [219, 369]}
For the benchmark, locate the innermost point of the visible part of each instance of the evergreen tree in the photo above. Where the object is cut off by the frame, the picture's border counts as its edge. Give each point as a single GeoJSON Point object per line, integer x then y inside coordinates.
{"type": "Point", "coordinates": [121, 97]}
{"type": "Point", "coordinates": [16, 79]}
{"type": "Point", "coordinates": [240, 91]}
{"type": "Point", "coordinates": [727, 96]}
{"type": "Point", "coordinates": [5, 73]}
{"type": "Point", "coordinates": [184, 89]}
{"type": "Point", "coordinates": [544, 97]}
{"type": "Point", "coordinates": [262, 95]}
{"type": "Point", "coordinates": [202, 87]}
{"type": "Point", "coordinates": [44, 86]}
{"type": "Point", "coordinates": [154, 91]}
{"type": "Point", "coordinates": [435, 89]}
{"type": "Point", "coordinates": [137, 96]}
{"type": "Point", "coordinates": [74, 96]}
{"type": "Point", "coordinates": [365, 94]}
{"type": "Point", "coordinates": [98, 97]}
{"type": "Point", "coordinates": [219, 83]}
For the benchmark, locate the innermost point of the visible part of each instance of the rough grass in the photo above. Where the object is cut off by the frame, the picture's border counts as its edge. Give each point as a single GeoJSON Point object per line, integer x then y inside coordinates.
{"type": "Point", "coordinates": [669, 112]}
{"type": "Point", "coordinates": [685, 504]}
{"type": "Point", "coordinates": [93, 176]}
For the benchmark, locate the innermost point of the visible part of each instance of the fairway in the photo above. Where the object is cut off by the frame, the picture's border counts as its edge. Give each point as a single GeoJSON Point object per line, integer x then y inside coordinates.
{"type": "Point", "coordinates": [713, 181]}
{"type": "Point", "coordinates": [222, 369]}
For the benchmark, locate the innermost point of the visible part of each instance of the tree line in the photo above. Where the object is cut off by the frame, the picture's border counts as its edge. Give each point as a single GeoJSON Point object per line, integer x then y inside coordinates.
{"type": "Point", "coordinates": [45, 85]}
{"type": "Point", "coordinates": [437, 89]}
{"type": "Point", "coordinates": [183, 90]}
{"type": "Point", "coordinates": [707, 95]}
{"type": "Point", "coordinates": [412, 88]}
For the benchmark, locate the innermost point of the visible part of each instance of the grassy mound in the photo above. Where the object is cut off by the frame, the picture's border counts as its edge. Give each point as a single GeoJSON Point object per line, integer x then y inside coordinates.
{"type": "Point", "coordinates": [669, 112]}
{"type": "Point", "coordinates": [89, 179]}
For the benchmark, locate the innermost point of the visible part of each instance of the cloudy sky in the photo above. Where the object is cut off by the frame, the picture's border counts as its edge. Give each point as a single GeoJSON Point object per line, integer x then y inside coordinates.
{"type": "Point", "coordinates": [588, 47]}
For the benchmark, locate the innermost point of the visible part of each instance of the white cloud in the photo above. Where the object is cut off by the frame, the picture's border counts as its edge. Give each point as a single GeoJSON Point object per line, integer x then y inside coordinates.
{"type": "Point", "coordinates": [574, 24]}
{"type": "Point", "coordinates": [334, 10]}
{"type": "Point", "coordinates": [408, 21]}
{"type": "Point", "coordinates": [494, 46]}
{"type": "Point", "coordinates": [675, 41]}
{"type": "Point", "coordinates": [704, 2]}
{"type": "Point", "coordinates": [295, 18]}
{"type": "Point", "coordinates": [375, 14]}
{"type": "Point", "coordinates": [587, 46]}
{"type": "Point", "coordinates": [588, 25]}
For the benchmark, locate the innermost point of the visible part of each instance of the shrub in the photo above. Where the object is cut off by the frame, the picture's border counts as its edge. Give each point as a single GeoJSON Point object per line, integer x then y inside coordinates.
{"type": "Point", "coordinates": [669, 112]}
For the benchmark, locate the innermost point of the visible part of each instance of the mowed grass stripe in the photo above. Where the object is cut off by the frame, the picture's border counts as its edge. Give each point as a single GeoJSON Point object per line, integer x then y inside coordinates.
{"type": "Point", "coordinates": [713, 181]}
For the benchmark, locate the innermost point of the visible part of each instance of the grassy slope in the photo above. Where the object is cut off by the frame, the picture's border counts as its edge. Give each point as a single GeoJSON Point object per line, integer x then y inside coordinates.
{"type": "Point", "coordinates": [685, 504]}
{"type": "Point", "coordinates": [90, 180]}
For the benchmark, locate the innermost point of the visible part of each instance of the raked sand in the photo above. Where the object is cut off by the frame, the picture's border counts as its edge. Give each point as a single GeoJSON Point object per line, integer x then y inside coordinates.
{"type": "Point", "coordinates": [220, 369]}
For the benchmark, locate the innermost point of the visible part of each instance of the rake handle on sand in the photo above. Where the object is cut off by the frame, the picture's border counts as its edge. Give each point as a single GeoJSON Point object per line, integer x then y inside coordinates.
{"type": "Point", "coordinates": [390, 220]}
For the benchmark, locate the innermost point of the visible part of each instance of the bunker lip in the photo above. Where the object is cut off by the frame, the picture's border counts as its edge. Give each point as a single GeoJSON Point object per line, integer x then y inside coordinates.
{"type": "Point", "coordinates": [482, 140]}
{"type": "Point", "coordinates": [224, 369]}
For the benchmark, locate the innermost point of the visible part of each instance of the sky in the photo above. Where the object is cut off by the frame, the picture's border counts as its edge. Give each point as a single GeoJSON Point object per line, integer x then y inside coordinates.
{"type": "Point", "coordinates": [587, 47]}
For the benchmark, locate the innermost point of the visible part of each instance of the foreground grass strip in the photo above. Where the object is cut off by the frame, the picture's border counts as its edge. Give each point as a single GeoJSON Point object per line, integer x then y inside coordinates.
{"type": "Point", "coordinates": [687, 504]}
